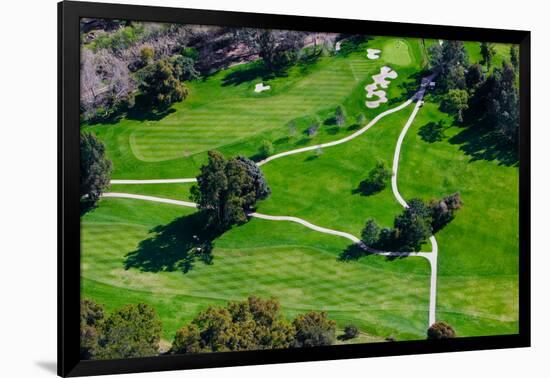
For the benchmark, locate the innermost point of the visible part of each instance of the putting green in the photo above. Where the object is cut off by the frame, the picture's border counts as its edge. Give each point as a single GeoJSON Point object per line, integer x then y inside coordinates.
{"type": "Point", "coordinates": [397, 52]}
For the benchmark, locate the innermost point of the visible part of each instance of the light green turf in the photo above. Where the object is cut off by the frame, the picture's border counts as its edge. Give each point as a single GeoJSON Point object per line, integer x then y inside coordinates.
{"type": "Point", "coordinates": [234, 119]}
{"type": "Point", "coordinates": [477, 285]}
{"type": "Point", "coordinates": [478, 251]}
{"type": "Point", "coordinates": [298, 266]}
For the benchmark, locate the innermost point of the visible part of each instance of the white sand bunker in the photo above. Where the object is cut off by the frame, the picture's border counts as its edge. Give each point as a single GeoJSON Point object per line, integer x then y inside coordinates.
{"type": "Point", "coordinates": [338, 46]}
{"type": "Point", "coordinates": [373, 53]}
{"type": "Point", "coordinates": [379, 81]}
{"type": "Point", "coordinates": [260, 87]}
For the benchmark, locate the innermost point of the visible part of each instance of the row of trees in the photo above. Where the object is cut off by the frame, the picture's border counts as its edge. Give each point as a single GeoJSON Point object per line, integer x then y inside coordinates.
{"type": "Point", "coordinates": [414, 226]}
{"type": "Point", "coordinates": [477, 94]}
{"type": "Point", "coordinates": [253, 324]}
{"type": "Point", "coordinates": [227, 189]}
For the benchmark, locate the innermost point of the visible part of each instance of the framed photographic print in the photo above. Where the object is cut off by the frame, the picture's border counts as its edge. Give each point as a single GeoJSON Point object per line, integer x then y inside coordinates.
{"type": "Point", "coordinates": [239, 188]}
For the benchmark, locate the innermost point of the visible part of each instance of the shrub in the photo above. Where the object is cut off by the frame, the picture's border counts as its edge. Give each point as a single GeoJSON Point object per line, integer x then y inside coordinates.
{"type": "Point", "coordinates": [350, 332]}
{"type": "Point", "coordinates": [440, 330]}
{"type": "Point", "coordinates": [266, 149]}
{"type": "Point", "coordinates": [314, 329]}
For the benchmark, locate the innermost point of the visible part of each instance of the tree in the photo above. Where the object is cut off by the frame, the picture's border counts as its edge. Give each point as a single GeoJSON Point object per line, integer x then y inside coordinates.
{"type": "Point", "coordinates": [312, 129]}
{"type": "Point", "coordinates": [184, 68]}
{"type": "Point", "coordinates": [474, 77]}
{"type": "Point", "coordinates": [339, 116]}
{"type": "Point", "coordinates": [146, 55]}
{"type": "Point", "coordinates": [248, 325]}
{"type": "Point", "coordinates": [456, 102]}
{"type": "Point", "coordinates": [91, 315]}
{"type": "Point", "coordinates": [227, 189]}
{"type": "Point", "coordinates": [350, 332]}
{"type": "Point", "coordinates": [456, 78]}
{"type": "Point", "coordinates": [370, 233]}
{"type": "Point", "coordinates": [514, 57]}
{"type": "Point", "coordinates": [159, 87]}
{"type": "Point", "coordinates": [440, 330]}
{"type": "Point", "coordinates": [95, 168]}
{"type": "Point", "coordinates": [361, 118]}
{"type": "Point", "coordinates": [314, 329]}
{"type": "Point", "coordinates": [266, 149]}
{"type": "Point", "coordinates": [413, 225]}
{"type": "Point", "coordinates": [377, 178]}
{"type": "Point", "coordinates": [443, 211]}
{"type": "Point", "coordinates": [187, 340]}
{"type": "Point", "coordinates": [487, 51]}
{"type": "Point", "coordinates": [278, 48]}
{"type": "Point", "coordinates": [131, 331]}
{"type": "Point", "coordinates": [445, 59]}
{"type": "Point", "coordinates": [259, 182]}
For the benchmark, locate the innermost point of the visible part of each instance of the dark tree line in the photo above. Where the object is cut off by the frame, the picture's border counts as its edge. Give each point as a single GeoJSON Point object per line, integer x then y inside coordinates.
{"type": "Point", "coordinates": [95, 168]}
{"type": "Point", "coordinates": [227, 189]}
{"type": "Point", "coordinates": [482, 97]}
{"type": "Point", "coordinates": [414, 226]}
{"type": "Point", "coordinates": [253, 324]}
{"type": "Point", "coordinates": [130, 331]}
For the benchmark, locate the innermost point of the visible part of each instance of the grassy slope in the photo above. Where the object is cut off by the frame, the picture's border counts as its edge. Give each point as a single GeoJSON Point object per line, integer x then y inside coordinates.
{"type": "Point", "coordinates": [478, 259]}
{"type": "Point", "coordinates": [298, 266]}
{"type": "Point", "coordinates": [226, 114]}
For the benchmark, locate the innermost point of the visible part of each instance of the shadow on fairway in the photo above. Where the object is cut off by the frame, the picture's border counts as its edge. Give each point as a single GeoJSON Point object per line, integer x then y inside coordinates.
{"type": "Point", "coordinates": [409, 87]}
{"type": "Point", "coordinates": [367, 188]}
{"type": "Point", "coordinates": [174, 246]}
{"type": "Point", "coordinates": [432, 132]}
{"type": "Point", "coordinates": [353, 252]}
{"type": "Point", "coordinates": [253, 71]}
{"type": "Point", "coordinates": [481, 143]}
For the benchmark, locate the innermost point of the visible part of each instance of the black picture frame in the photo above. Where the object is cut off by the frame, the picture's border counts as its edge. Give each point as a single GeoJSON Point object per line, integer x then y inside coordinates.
{"type": "Point", "coordinates": [69, 14]}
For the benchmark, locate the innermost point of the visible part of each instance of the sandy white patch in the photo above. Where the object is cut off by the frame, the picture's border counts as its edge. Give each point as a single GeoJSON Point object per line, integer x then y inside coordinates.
{"type": "Point", "coordinates": [260, 87]}
{"type": "Point", "coordinates": [338, 46]}
{"type": "Point", "coordinates": [373, 53]}
{"type": "Point", "coordinates": [379, 81]}
{"type": "Point", "coordinates": [440, 42]}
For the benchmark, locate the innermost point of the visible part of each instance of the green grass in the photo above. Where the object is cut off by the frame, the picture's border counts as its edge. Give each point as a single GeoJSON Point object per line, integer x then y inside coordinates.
{"type": "Point", "coordinates": [477, 282]}
{"type": "Point", "coordinates": [298, 266]}
{"type": "Point", "coordinates": [226, 114]}
{"type": "Point", "coordinates": [478, 251]}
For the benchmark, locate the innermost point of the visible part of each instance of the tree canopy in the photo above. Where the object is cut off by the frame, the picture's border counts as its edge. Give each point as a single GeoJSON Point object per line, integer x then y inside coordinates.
{"type": "Point", "coordinates": [131, 331]}
{"type": "Point", "coordinates": [252, 324]}
{"type": "Point", "coordinates": [95, 168]}
{"type": "Point", "coordinates": [227, 188]}
{"type": "Point", "coordinates": [314, 329]}
{"type": "Point", "coordinates": [159, 86]}
{"type": "Point", "coordinates": [440, 330]}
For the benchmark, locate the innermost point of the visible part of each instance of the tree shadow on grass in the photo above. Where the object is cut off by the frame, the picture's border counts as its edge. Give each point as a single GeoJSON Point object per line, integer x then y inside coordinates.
{"type": "Point", "coordinates": [174, 246]}
{"type": "Point", "coordinates": [253, 71]}
{"type": "Point", "coordinates": [367, 188]}
{"type": "Point", "coordinates": [481, 143]}
{"type": "Point", "coordinates": [87, 207]}
{"type": "Point", "coordinates": [409, 87]}
{"type": "Point", "coordinates": [432, 132]}
{"type": "Point", "coordinates": [354, 252]}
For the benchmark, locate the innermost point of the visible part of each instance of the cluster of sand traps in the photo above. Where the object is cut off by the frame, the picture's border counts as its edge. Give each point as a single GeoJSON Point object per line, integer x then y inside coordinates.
{"type": "Point", "coordinates": [373, 53]}
{"type": "Point", "coordinates": [260, 87]}
{"type": "Point", "coordinates": [379, 80]}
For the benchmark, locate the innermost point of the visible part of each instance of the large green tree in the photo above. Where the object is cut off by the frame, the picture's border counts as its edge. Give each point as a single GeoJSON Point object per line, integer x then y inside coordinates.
{"type": "Point", "coordinates": [95, 168]}
{"type": "Point", "coordinates": [131, 331]}
{"type": "Point", "coordinates": [413, 225]}
{"type": "Point", "coordinates": [227, 189]}
{"type": "Point", "coordinates": [447, 59]}
{"type": "Point", "coordinates": [252, 324]}
{"type": "Point", "coordinates": [456, 102]}
{"type": "Point", "coordinates": [159, 87]}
